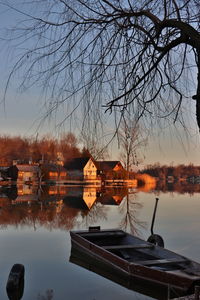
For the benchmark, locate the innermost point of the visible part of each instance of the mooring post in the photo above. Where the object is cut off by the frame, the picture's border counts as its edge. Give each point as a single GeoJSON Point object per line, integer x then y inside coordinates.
{"type": "Point", "coordinates": [154, 214]}
{"type": "Point", "coordinates": [196, 292]}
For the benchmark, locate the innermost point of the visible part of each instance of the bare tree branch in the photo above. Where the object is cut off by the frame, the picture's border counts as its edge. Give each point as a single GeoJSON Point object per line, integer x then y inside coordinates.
{"type": "Point", "coordinates": [110, 54]}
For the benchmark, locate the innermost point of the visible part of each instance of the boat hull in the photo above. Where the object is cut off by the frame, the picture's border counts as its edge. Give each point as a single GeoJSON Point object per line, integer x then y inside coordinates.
{"type": "Point", "coordinates": [174, 278]}
{"type": "Point", "coordinates": [140, 285]}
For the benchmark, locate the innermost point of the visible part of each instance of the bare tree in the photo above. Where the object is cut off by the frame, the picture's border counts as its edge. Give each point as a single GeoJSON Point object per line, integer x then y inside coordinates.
{"type": "Point", "coordinates": [94, 145]}
{"type": "Point", "coordinates": [131, 140]}
{"type": "Point", "coordinates": [116, 54]}
{"type": "Point", "coordinates": [68, 146]}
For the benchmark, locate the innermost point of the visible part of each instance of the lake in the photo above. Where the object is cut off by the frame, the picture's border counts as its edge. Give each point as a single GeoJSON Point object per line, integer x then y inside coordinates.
{"type": "Point", "coordinates": [35, 224]}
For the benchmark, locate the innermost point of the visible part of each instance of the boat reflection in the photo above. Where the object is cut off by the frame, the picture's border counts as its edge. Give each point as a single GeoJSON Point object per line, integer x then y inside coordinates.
{"type": "Point", "coordinates": [142, 286]}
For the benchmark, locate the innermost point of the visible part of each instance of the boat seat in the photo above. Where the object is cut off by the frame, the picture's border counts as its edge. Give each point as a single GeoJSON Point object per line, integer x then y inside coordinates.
{"type": "Point", "coordinates": [103, 234]}
{"type": "Point", "coordinates": [123, 249]}
{"type": "Point", "coordinates": [160, 261]}
{"type": "Point", "coordinates": [119, 247]}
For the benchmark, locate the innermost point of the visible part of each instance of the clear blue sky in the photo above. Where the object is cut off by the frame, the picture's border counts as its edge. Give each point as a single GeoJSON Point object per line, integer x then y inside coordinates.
{"type": "Point", "coordinates": [21, 115]}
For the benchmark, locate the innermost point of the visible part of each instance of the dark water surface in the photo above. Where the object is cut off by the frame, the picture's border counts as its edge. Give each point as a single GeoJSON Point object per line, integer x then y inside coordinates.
{"type": "Point", "coordinates": [35, 225]}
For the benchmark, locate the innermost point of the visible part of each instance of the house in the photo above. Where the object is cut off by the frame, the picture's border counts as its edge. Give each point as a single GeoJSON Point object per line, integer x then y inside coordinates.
{"type": "Point", "coordinates": [82, 168]}
{"type": "Point", "coordinates": [110, 169]}
{"type": "Point", "coordinates": [53, 172]}
{"type": "Point", "coordinates": [24, 173]}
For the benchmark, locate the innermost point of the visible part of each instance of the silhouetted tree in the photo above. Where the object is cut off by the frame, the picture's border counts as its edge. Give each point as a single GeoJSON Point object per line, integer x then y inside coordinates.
{"type": "Point", "coordinates": [118, 54]}
{"type": "Point", "coordinates": [14, 148]}
{"type": "Point", "coordinates": [45, 148]}
{"type": "Point", "coordinates": [68, 146]}
{"type": "Point", "coordinates": [85, 152]}
{"type": "Point", "coordinates": [180, 171]}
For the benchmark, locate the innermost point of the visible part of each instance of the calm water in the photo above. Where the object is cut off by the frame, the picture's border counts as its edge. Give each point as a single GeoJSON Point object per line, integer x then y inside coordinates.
{"type": "Point", "coordinates": [35, 227]}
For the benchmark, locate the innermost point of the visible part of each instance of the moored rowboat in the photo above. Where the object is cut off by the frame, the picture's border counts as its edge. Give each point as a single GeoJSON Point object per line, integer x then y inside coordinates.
{"type": "Point", "coordinates": [137, 258]}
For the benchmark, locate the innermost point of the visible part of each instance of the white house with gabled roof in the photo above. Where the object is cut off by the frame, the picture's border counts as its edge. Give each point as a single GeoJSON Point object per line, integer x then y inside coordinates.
{"type": "Point", "coordinates": [82, 168]}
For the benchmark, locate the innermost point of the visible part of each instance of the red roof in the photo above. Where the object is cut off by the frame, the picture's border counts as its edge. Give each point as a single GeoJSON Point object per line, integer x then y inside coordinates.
{"type": "Point", "coordinates": [107, 165]}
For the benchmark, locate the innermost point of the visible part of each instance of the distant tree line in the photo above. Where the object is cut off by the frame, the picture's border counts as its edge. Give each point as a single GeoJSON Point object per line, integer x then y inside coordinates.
{"type": "Point", "coordinates": [180, 171]}
{"type": "Point", "coordinates": [46, 148]}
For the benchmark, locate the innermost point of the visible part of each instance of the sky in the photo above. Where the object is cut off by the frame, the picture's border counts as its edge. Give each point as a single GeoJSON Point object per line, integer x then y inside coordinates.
{"type": "Point", "coordinates": [22, 113]}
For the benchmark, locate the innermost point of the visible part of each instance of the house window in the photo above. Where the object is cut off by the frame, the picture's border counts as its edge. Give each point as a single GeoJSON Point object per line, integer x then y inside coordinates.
{"type": "Point", "coordinates": [53, 174]}
{"type": "Point", "coordinates": [20, 174]}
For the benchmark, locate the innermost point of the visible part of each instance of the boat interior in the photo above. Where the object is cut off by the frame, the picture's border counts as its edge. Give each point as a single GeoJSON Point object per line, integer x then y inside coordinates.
{"type": "Point", "coordinates": [137, 251]}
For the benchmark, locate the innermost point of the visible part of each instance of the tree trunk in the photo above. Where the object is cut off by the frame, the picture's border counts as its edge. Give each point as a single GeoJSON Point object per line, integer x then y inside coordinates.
{"type": "Point", "coordinates": [198, 89]}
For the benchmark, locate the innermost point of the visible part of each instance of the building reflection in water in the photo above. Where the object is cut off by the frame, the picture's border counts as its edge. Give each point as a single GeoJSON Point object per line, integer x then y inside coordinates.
{"type": "Point", "coordinates": [67, 207]}
{"type": "Point", "coordinates": [57, 206]}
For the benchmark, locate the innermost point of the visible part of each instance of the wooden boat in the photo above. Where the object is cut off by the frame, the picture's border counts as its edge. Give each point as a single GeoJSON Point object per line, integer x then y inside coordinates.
{"type": "Point", "coordinates": [137, 258]}
{"type": "Point", "coordinates": [145, 287]}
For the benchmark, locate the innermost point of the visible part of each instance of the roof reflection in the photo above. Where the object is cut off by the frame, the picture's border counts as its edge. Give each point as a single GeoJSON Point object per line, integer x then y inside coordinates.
{"type": "Point", "coordinates": [55, 206]}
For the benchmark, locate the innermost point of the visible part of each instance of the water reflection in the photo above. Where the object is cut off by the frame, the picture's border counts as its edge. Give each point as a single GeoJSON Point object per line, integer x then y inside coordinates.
{"type": "Point", "coordinates": [47, 296]}
{"type": "Point", "coordinates": [63, 207]}
{"type": "Point", "coordinates": [180, 187]}
{"type": "Point", "coordinates": [48, 208]}
{"type": "Point", "coordinates": [129, 214]}
{"type": "Point", "coordinates": [60, 206]}
{"type": "Point", "coordinates": [15, 283]}
{"type": "Point", "coordinates": [16, 294]}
